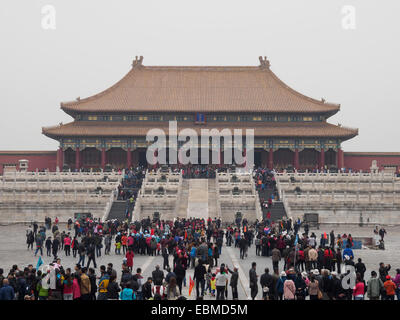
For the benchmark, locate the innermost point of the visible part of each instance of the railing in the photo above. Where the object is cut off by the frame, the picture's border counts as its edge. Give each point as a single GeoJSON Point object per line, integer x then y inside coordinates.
{"type": "Point", "coordinates": [138, 207]}
{"type": "Point", "coordinates": [259, 212]}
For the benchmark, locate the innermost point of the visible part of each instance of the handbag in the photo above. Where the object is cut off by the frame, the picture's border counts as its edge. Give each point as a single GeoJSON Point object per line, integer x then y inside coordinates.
{"type": "Point", "coordinates": [320, 295]}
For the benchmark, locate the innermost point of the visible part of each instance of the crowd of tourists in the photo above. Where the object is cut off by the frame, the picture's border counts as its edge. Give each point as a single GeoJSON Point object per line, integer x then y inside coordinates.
{"type": "Point", "coordinates": [131, 183]}
{"type": "Point", "coordinates": [303, 266]}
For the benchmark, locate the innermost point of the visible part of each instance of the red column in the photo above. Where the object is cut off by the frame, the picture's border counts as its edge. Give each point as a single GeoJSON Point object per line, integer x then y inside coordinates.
{"type": "Point", "coordinates": [77, 159]}
{"type": "Point", "coordinates": [322, 159]}
{"type": "Point", "coordinates": [271, 158]}
{"type": "Point", "coordinates": [129, 158]}
{"type": "Point", "coordinates": [339, 156]}
{"type": "Point", "coordinates": [103, 158]}
{"type": "Point", "coordinates": [296, 159]}
{"type": "Point", "coordinates": [60, 158]}
{"type": "Point", "coordinates": [135, 158]}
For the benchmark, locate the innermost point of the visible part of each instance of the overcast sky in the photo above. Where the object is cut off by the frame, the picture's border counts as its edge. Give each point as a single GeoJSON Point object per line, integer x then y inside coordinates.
{"type": "Point", "coordinates": [95, 42]}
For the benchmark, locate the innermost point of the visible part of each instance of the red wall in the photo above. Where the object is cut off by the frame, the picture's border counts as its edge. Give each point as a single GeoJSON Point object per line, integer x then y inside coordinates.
{"type": "Point", "coordinates": [37, 159]}
{"type": "Point", "coordinates": [48, 159]}
{"type": "Point", "coordinates": [363, 160]}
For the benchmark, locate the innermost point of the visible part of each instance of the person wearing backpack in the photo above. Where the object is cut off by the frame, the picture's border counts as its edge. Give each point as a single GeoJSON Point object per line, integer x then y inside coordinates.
{"type": "Point", "coordinates": [127, 293]}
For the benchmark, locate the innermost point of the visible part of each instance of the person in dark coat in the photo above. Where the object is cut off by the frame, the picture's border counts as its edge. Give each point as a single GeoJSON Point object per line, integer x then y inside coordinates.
{"type": "Point", "coordinates": [146, 289]}
{"type": "Point", "coordinates": [266, 283]}
{"type": "Point", "coordinates": [180, 272]}
{"type": "Point", "coordinates": [234, 282]}
{"type": "Point", "coordinates": [253, 280]}
{"type": "Point", "coordinates": [199, 273]}
{"type": "Point", "coordinates": [113, 289]}
{"type": "Point", "coordinates": [360, 268]}
{"type": "Point", "coordinates": [6, 291]}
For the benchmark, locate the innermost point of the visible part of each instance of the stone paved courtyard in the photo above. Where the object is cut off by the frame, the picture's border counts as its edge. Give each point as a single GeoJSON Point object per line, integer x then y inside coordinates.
{"type": "Point", "coordinates": [13, 250]}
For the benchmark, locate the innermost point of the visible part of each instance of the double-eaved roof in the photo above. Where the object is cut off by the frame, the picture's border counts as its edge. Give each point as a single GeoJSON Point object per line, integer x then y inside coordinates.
{"type": "Point", "coordinates": [208, 89]}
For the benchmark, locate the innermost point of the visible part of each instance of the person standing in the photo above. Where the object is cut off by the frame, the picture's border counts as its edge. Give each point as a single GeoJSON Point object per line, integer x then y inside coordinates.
{"type": "Point", "coordinates": [68, 285]}
{"type": "Point", "coordinates": [30, 239]}
{"type": "Point", "coordinates": [358, 291]}
{"type": "Point", "coordinates": [220, 283]}
{"type": "Point", "coordinates": [384, 271]}
{"type": "Point", "coordinates": [180, 272]}
{"type": "Point", "coordinates": [266, 283]}
{"type": "Point", "coordinates": [313, 288]}
{"type": "Point", "coordinates": [199, 276]}
{"type": "Point", "coordinates": [91, 255]}
{"type": "Point", "coordinates": [165, 254]}
{"type": "Point", "coordinates": [39, 245]}
{"type": "Point", "coordinates": [289, 289]}
{"type": "Point", "coordinates": [360, 268]}
{"type": "Point", "coordinates": [139, 279]}
{"type": "Point", "coordinates": [243, 244]}
{"type": "Point", "coordinates": [374, 286]}
{"type": "Point", "coordinates": [113, 289]}
{"type": "Point", "coordinates": [253, 281]}
{"type": "Point", "coordinates": [234, 282]}
{"type": "Point", "coordinates": [93, 285]}
{"type": "Point", "coordinates": [55, 246]}
{"type": "Point", "coordinates": [146, 289]}
{"type": "Point", "coordinates": [6, 291]}
{"type": "Point", "coordinates": [129, 259]}
{"type": "Point", "coordinates": [396, 280]}
{"type": "Point", "coordinates": [276, 257]}
{"type": "Point", "coordinates": [103, 283]}
{"type": "Point", "coordinates": [48, 246]}
{"type": "Point", "coordinates": [76, 289]}
{"type": "Point", "coordinates": [390, 288]}
{"type": "Point", "coordinates": [85, 285]}
{"type": "Point", "coordinates": [74, 246]}
{"type": "Point", "coordinates": [82, 253]}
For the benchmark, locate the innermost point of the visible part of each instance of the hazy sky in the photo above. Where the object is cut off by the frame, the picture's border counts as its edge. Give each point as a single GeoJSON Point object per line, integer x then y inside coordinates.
{"type": "Point", "coordinates": [95, 42]}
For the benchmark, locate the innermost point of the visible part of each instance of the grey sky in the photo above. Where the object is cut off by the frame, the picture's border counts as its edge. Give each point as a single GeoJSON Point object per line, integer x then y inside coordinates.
{"type": "Point", "coordinates": [95, 42]}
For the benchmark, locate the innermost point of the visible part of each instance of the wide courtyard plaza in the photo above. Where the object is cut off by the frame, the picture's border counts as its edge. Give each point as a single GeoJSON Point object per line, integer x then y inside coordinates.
{"type": "Point", "coordinates": [347, 192]}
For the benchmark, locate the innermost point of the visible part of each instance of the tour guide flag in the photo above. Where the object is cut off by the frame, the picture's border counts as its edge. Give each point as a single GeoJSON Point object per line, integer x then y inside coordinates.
{"type": "Point", "coordinates": [39, 263]}
{"type": "Point", "coordinates": [191, 285]}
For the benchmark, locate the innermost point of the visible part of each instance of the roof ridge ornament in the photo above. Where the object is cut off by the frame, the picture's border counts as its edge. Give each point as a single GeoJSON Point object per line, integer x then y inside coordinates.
{"type": "Point", "coordinates": [137, 62]}
{"type": "Point", "coordinates": [264, 63]}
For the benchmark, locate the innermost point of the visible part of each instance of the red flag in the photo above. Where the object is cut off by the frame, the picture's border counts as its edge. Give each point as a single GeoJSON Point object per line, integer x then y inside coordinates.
{"type": "Point", "coordinates": [191, 285]}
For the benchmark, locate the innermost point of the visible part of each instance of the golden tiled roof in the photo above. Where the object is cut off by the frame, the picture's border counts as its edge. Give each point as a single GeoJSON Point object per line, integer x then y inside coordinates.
{"type": "Point", "coordinates": [200, 89]}
{"type": "Point", "coordinates": [130, 129]}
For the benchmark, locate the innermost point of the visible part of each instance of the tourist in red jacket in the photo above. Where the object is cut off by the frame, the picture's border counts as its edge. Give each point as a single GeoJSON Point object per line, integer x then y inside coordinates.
{"type": "Point", "coordinates": [129, 259]}
{"type": "Point", "coordinates": [359, 289]}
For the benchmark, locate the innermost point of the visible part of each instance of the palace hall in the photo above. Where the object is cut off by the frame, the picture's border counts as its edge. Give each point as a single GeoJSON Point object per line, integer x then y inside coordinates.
{"type": "Point", "coordinates": [290, 129]}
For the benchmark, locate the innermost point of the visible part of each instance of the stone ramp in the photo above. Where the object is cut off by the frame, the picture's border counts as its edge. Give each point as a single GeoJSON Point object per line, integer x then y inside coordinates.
{"type": "Point", "coordinates": [198, 198]}
{"type": "Point", "coordinates": [183, 203]}
{"type": "Point", "coordinates": [212, 199]}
